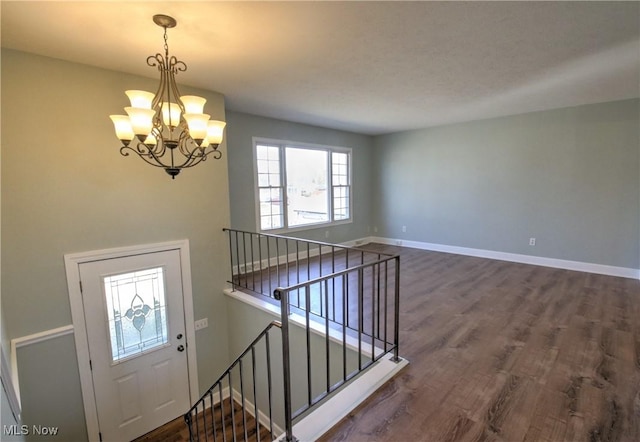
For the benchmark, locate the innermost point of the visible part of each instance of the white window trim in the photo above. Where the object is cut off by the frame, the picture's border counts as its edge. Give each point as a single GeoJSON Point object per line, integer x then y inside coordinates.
{"type": "Point", "coordinates": [302, 145]}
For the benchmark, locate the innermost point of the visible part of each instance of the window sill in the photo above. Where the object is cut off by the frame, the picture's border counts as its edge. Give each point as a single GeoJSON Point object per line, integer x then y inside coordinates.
{"type": "Point", "coordinates": [305, 227]}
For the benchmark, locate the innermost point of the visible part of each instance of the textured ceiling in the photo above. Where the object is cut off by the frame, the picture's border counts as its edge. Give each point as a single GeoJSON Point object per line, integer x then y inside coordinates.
{"type": "Point", "coordinates": [369, 67]}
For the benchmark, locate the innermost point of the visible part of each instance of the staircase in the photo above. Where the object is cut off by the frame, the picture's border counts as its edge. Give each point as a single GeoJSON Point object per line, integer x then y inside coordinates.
{"type": "Point", "coordinates": [339, 309]}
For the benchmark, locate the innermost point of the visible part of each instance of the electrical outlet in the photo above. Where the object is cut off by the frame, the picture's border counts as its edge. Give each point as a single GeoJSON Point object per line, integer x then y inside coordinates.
{"type": "Point", "coordinates": [202, 323]}
{"type": "Point", "coordinates": [326, 234]}
{"type": "Point", "coordinates": [532, 241]}
{"type": "Point", "coordinates": [404, 229]}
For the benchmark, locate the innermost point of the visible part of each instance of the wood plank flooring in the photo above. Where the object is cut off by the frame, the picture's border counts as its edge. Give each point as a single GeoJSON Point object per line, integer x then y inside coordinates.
{"type": "Point", "coordinates": [177, 430]}
{"type": "Point", "coordinates": [503, 352]}
{"type": "Point", "coordinates": [507, 352]}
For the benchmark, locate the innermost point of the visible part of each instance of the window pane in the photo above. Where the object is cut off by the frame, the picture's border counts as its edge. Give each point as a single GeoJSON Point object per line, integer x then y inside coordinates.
{"type": "Point", "coordinates": [269, 187]}
{"type": "Point", "coordinates": [341, 203]}
{"type": "Point", "coordinates": [307, 196]}
{"type": "Point", "coordinates": [136, 310]}
{"type": "Point", "coordinates": [340, 181]}
{"type": "Point", "coordinates": [271, 208]}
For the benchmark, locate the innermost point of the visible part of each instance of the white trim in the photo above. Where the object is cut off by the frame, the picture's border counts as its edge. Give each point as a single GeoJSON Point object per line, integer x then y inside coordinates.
{"type": "Point", "coordinates": [334, 409]}
{"type": "Point", "coordinates": [588, 267]}
{"type": "Point", "coordinates": [42, 336]}
{"type": "Point", "coordinates": [72, 266]}
{"type": "Point", "coordinates": [263, 418]}
{"type": "Point", "coordinates": [281, 144]}
{"type": "Point", "coordinates": [9, 385]}
{"type": "Point", "coordinates": [316, 327]}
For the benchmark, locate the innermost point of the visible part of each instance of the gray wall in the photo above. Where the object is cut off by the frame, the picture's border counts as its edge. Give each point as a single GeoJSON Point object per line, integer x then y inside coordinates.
{"type": "Point", "coordinates": [241, 128]}
{"type": "Point", "coordinates": [66, 189]}
{"type": "Point", "coordinates": [46, 378]}
{"type": "Point", "coordinates": [568, 177]}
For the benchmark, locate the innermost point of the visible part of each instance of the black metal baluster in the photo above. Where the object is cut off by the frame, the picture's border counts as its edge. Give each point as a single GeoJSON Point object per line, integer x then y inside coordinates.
{"type": "Point", "coordinates": [360, 314]}
{"type": "Point", "coordinates": [326, 335]}
{"type": "Point", "coordinates": [269, 264]}
{"type": "Point", "coordinates": [308, 333]}
{"type": "Point", "coordinates": [238, 257]}
{"type": "Point", "coordinates": [386, 303]}
{"type": "Point", "coordinates": [333, 284]}
{"type": "Point", "coordinates": [373, 310]}
{"type": "Point", "coordinates": [222, 419]}
{"type": "Point", "coordinates": [345, 283]}
{"type": "Point", "coordinates": [197, 424]}
{"type": "Point", "coordinates": [244, 254]}
{"type": "Point", "coordinates": [213, 416]}
{"type": "Point", "coordinates": [242, 400]}
{"type": "Point", "coordinates": [396, 325]}
{"type": "Point", "coordinates": [269, 399]}
{"type": "Point", "coordinates": [255, 395]}
{"type": "Point", "coordinates": [233, 406]}
{"type": "Point", "coordinates": [204, 420]}
{"type": "Point", "coordinates": [253, 264]}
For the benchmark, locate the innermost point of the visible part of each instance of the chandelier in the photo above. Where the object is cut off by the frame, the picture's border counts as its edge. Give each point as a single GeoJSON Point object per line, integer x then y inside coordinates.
{"type": "Point", "coordinates": [166, 129]}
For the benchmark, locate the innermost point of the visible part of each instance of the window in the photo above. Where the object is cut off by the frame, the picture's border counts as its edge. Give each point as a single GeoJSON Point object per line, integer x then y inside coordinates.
{"type": "Point", "coordinates": [300, 185]}
{"type": "Point", "coordinates": [136, 310]}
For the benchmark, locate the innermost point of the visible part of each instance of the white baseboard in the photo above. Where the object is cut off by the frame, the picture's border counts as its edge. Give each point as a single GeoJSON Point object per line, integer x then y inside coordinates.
{"type": "Point", "coordinates": [263, 418]}
{"type": "Point", "coordinates": [601, 269]}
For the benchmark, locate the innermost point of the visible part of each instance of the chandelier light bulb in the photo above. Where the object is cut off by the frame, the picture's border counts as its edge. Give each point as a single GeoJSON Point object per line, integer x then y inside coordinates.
{"type": "Point", "coordinates": [150, 140]}
{"type": "Point", "coordinates": [141, 99]}
{"type": "Point", "coordinates": [193, 104]}
{"type": "Point", "coordinates": [141, 120]}
{"type": "Point", "coordinates": [215, 129]}
{"type": "Point", "coordinates": [197, 126]}
{"type": "Point", "coordinates": [171, 114]}
{"type": "Point", "coordinates": [122, 125]}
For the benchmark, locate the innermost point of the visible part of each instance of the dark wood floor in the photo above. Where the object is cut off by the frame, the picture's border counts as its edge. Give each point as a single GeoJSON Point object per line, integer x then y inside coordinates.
{"type": "Point", "coordinates": [505, 352]}
{"type": "Point", "coordinates": [204, 427]}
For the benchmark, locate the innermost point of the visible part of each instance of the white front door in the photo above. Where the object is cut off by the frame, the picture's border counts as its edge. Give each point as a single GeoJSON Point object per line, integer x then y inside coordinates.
{"type": "Point", "coordinates": [135, 323]}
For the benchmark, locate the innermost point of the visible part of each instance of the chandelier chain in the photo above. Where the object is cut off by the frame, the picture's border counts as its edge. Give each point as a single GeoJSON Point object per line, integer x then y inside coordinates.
{"type": "Point", "coordinates": [166, 44]}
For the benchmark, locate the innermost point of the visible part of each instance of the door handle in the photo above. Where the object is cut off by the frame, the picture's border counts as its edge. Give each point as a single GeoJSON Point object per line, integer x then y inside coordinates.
{"type": "Point", "coordinates": [179, 336]}
{"type": "Point", "coordinates": [180, 347]}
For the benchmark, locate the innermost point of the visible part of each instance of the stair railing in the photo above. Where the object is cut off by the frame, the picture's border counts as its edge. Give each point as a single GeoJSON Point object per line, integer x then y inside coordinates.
{"type": "Point", "coordinates": [215, 416]}
{"type": "Point", "coordinates": [346, 302]}
{"type": "Point", "coordinates": [371, 330]}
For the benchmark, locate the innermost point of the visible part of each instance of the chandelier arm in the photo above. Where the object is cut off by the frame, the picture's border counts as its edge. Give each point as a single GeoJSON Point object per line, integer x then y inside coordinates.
{"type": "Point", "coordinates": [156, 151]}
{"type": "Point", "coordinates": [183, 140]}
{"type": "Point", "coordinates": [200, 155]}
{"type": "Point", "coordinates": [216, 153]}
{"type": "Point", "coordinates": [144, 156]}
{"type": "Point", "coordinates": [160, 146]}
{"type": "Point", "coordinates": [147, 153]}
{"type": "Point", "coordinates": [157, 61]}
{"type": "Point", "coordinates": [173, 67]}
{"type": "Point", "coordinates": [191, 160]}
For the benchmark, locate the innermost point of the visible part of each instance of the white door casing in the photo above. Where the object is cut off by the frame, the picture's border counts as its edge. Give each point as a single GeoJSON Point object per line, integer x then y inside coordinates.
{"type": "Point", "coordinates": [90, 328]}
